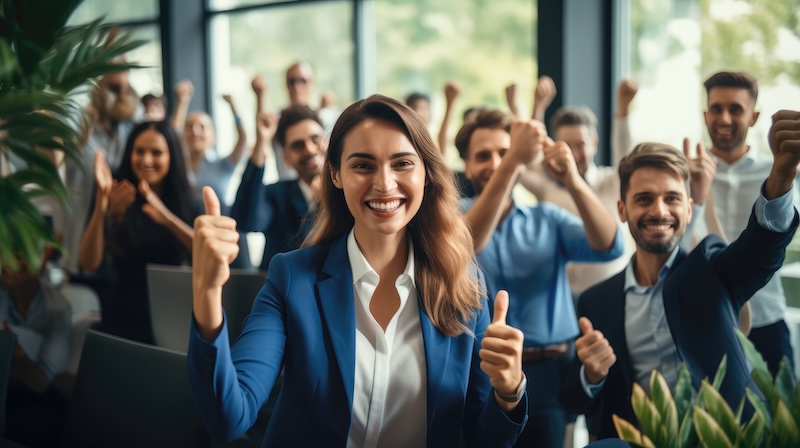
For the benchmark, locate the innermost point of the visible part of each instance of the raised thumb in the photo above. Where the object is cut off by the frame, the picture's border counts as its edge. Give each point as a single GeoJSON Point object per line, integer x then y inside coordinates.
{"type": "Point", "coordinates": [586, 325]}
{"type": "Point", "coordinates": [211, 201]}
{"type": "Point", "coordinates": [500, 307]}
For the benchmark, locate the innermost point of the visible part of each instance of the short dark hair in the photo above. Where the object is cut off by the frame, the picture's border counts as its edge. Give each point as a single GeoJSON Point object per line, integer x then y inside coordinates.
{"type": "Point", "coordinates": [291, 116]}
{"type": "Point", "coordinates": [413, 97]}
{"type": "Point", "coordinates": [574, 115]}
{"type": "Point", "coordinates": [484, 118]}
{"type": "Point", "coordinates": [733, 79]}
{"type": "Point", "coordinates": [652, 155]}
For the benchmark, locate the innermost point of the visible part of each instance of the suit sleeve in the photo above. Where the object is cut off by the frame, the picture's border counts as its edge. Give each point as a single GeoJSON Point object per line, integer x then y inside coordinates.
{"type": "Point", "coordinates": [485, 424]}
{"type": "Point", "coordinates": [573, 396]}
{"type": "Point", "coordinates": [230, 384]}
{"type": "Point", "coordinates": [251, 208]}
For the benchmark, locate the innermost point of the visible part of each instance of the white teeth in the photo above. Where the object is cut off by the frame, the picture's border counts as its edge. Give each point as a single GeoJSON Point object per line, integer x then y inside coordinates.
{"type": "Point", "coordinates": [385, 206]}
{"type": "Point", "coordinates": [659, 227]}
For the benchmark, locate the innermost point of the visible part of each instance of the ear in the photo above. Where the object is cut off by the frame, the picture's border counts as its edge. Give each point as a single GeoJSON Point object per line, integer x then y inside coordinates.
{"type": "Point", "coordinates": [337, 182]}
{"type": "Point", "coordinates": [689, 216]}
{"type": "Point", "coordinates": [621, 210]}
{"type": "Point", "coordinates": [754, 119]}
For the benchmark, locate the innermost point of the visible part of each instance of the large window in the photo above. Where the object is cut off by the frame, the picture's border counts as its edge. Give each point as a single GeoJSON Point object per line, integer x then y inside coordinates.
{"type": "Point", "coordinates": [677, 44]}
{"type": "Point", "coordinates": [483, 45]}
{"type": "Point", "coordinates": [140, 18]}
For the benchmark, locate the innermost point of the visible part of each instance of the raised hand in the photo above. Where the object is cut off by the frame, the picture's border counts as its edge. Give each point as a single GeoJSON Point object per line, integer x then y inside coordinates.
{"type": "Point", "coordinates": [784, 141]}
{"type": "Point", "coordinates": [184, 90]}
{"type": "Point", "coordinates": [543, 95]}
{"type": "Point", "coordinates": [103, 179]}
{"type": "Point", "coordinates": [259, 85]}
{"type": "Point", "coordinates": [451, 91]}
{"type": "Point", "coordinates": [511, 98]}
{"type": "Point", "coordinates": [626, 90]}
{"type": "Point", "coordinates": [702, 168]}
{"type": "Point", "coordinates": [594, 352]}
{"type": "Point", "coordinates": [527, 141]}
{"type": "Point", "coordinates": [154, 207]}
{"type": "Point", "coordinates": [266, 125]}
{"type": "Point", "coordinates": [215, 244]}
{"type": "Point", "coordinates": [327, 99]}
{"type": "Point", "coordinates": [501, 350]}
{"type": "Point", "coordinates": [560, 163]}
{"type": "Point", "coordinates": [123, 194]}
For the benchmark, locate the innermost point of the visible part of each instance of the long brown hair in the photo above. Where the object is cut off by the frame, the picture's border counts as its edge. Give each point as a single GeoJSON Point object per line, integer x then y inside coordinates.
{"type": "Point", "coordinates": [444, 257]}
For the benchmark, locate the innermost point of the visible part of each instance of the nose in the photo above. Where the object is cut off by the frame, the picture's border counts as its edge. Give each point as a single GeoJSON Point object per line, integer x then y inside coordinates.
{"type": "Point", "coordinates": [385, 181]}
{"type": "Point", "coordinates": [496, 159]}
{"type": "Point", "coordinates": [660, 208]}
{"type": "Point", "coordinates": [725, 117]}
{"type": "Point", "coordinates": [310, 148]}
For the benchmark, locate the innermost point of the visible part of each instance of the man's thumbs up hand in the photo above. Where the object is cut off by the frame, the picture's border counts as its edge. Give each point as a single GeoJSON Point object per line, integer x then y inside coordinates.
{"type": "Point", "coordinates": [594, 351]}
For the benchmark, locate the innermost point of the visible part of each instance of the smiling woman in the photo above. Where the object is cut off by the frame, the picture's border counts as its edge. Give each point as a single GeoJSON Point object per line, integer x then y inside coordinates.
{"type": "Point", "coordinates": [376, 315]}
{"type": "Point", "coordinates": [141, 216]}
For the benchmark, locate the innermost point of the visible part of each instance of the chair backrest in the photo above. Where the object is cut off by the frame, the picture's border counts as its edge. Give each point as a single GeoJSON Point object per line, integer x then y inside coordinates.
{"type": "Point", "coordinates": [170, 296]}
{"type": "Point", "coordinates": [7, 343]}
{"type": "Point", "coordinates": [129, 394]}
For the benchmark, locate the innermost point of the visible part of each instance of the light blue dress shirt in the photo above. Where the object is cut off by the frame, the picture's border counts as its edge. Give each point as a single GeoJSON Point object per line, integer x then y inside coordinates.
{"type": "Point", "coordinates": [650, 343]}
{"type": "Point", "coordinates": [527, 256]}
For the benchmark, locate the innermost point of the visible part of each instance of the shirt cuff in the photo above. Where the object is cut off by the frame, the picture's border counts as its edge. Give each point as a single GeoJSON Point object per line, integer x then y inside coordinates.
{"type": "Point", "coordinates": [775, 215]}
{"type": "Point", "coordinates": [591, 389]}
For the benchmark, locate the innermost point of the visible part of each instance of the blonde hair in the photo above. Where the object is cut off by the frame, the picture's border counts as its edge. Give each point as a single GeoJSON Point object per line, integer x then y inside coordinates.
{"type": "Point", "coordinates": [444, 258]}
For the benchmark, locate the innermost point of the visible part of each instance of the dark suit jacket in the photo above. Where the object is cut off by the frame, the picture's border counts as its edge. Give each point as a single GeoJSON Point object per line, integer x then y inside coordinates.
{"type": "Point", "coordinates": [703, 294]}
{"type": "Point", "coordinates": [304, 320]}
{"type": "Point", "coordinates": [278, 210]}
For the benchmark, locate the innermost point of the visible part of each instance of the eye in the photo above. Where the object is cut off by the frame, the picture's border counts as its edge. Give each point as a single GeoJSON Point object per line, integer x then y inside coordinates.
{"type": "Point", "coordinates": [361, 166]}
{"type": "Point", "coordinates": [404, 164]}
{"type": "Point", "coordinates": [643, 199]}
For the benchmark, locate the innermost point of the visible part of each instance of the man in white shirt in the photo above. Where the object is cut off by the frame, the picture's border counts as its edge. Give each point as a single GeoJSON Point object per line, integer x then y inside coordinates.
{"type": "Point", "coordinates": [740, 172]}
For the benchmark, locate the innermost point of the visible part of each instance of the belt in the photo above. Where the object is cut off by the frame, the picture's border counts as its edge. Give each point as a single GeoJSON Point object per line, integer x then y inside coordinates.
{"type": "Point", "coordinates": [533, 354]}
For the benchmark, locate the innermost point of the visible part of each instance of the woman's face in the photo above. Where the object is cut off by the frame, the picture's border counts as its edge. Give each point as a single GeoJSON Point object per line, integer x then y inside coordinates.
{"type": "Point", "coordinates": [150, 157]}
{"type": "Point", "coordinates": [382, 176]}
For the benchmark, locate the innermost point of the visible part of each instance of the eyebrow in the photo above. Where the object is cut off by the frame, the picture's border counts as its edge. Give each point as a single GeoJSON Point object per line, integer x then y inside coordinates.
{"type": "Point", "coordinates": [364, 155]}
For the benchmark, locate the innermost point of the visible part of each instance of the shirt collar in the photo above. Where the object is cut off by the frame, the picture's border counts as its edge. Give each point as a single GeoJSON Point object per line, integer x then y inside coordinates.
{"type": "Point", "coordinates": [630, 274]}
{"type": "Point", "coordinates": [362, 270]}
{"type": "Point", "coordinates": [749, 156]}
{"type": "Point", "coordinates": [308, 193]}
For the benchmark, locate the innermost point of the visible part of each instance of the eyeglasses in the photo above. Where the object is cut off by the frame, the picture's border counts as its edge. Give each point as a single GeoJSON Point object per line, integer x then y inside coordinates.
{"type": "Point", "coordinates": [293, 81]}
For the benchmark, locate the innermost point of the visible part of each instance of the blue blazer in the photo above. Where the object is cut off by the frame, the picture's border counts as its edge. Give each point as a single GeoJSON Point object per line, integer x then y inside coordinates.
{"type": "Point", "coordinates": [278, 210]}
{"type": "Point", "coordinates": [703, 294]}
{"type": "Point", "coordinates": [303, 320]}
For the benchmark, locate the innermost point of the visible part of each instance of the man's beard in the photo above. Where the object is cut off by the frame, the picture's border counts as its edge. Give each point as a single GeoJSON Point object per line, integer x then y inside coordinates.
{"type": "Point", "coordinates": [730, 144]}
{"type": "Point", "coordinates": [655, 247]}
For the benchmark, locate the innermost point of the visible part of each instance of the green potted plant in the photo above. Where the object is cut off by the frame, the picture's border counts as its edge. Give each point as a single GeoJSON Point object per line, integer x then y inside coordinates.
{"type": "Point", "coordinates": [44, 65]}
{"type": "Point", "coordinates": [674, 420]}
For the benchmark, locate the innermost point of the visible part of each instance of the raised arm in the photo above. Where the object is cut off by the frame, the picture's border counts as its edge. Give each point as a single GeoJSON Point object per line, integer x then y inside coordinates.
{"type": "Point", "coordinates": [91, 250]}
{"type": "Point", "coordinates": [184, 91]}
{"type": "Point", "coordinates": [784, 142]}
{"type": "Point", "coordinates": [527, 140]}
{"type": "Point", "coordinates": [621, 132]}
{"type": "Point", "coordinates": [158, 212]}
{"type": "Point", "coordinates": [543, 96]}
{"type": "Point", "coordinates": [241, 135]}
{"type": "Point", "coordinates": [266, 124]}
{"type": "Point", "coordinates": [599, 224]}
{"type": "Point", "coordinates": [451, 92]}
{"type": "Point", "coordinates": [513, 100]}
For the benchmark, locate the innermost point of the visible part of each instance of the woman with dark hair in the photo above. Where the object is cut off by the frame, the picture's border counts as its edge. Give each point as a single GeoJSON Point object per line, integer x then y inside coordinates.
{"type": "Point", "coordinates": [380, 321]}
{"type": "Point", "coordinates": [139, 217]}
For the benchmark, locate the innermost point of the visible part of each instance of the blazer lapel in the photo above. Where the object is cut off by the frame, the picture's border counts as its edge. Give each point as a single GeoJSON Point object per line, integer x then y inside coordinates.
{"type": "Point", "coordinates": [336, 300]}
{"type": "Point", "coordinates": [298, 201]}
{"type": "Point", "coordinates": [437, 357]}
{"type": "Point", "coordinates": [615, 331]}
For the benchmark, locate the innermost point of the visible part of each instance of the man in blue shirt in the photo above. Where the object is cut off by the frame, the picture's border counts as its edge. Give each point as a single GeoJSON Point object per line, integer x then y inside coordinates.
{"type": "Point", "coordinates": [524, 250]}
{"type": "Point", "coordinates": [668, 306]}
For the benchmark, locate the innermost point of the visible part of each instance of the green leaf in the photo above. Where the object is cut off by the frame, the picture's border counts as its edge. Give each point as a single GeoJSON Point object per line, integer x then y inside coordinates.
{"type": "Point", "coordinates": [718, 408]}
{"type": "Point", "coordinates": [784, 381]}
{"type": "Point", "coordinates": [687, 436]}
{"type": "Point", "coordinates": [795, 407]}
{"type": "Point", "coordinates": [753, 432]}
{"type": "Point", "coordinates": [709, 432]}
{"type": "Point", "coordinates": [759, 406]}
{"type": "Point", "coordinates": [683, 392]}
{"type": "Point", "coordinates": [719, 377]}
{"type": "Point", "coordinates": [649, 418]}
{"type": "Point", "coordinates": [627, 432]}
{"type": "Point", "coordinates": [752, 354]}
{"type": "Point", "coordinates": [784, 429]}
{"type": "Point", "coordinates": [662, 398]}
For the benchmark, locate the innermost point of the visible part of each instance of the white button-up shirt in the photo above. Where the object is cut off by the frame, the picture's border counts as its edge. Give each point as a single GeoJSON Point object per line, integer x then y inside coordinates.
{"type": "Point", "coordinates": [390, 393]}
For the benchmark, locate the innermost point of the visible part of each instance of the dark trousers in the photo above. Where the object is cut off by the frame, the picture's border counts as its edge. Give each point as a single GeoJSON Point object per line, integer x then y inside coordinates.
{"type": "Point", "coordinates": [546, 417]}
{"type": "Point", "coordinates": [773, 342]}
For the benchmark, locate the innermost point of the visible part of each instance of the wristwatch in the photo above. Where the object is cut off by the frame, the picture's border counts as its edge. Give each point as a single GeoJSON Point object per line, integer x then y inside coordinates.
{"type": "Point", "coordinates": [517, 395]}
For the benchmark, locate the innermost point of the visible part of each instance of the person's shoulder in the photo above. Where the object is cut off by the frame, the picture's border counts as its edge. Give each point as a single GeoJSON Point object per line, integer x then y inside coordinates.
{"type": "Point", "coordinates": [600, 291]}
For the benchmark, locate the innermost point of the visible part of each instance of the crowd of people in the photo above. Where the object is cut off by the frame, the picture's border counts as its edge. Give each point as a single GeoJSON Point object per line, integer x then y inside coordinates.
{"type": "Point", "coordinates": [408, 304]}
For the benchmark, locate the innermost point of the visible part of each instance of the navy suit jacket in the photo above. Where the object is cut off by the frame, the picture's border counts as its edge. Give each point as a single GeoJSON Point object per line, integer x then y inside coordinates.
{"type": "Point", "coordinates": [703, 294]}
{"type": "Point", "coordinates": [278, 210]}
{"type": "Point", "coordinates": [303, 320]}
